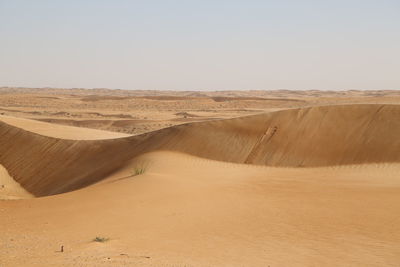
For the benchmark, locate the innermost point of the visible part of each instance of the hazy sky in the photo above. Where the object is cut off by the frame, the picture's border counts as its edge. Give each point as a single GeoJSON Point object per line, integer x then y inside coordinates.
{"type": "Point", "coordinates": [201, 45]}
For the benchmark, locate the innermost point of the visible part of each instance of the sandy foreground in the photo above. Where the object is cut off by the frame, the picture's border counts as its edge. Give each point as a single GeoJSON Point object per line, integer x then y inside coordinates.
{"type": "Point", "coordinates": [301, 186]}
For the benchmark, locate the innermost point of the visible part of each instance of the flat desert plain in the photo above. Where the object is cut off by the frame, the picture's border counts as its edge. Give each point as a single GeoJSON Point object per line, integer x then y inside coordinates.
{"type": "Point", "coordinates": [97, 177]}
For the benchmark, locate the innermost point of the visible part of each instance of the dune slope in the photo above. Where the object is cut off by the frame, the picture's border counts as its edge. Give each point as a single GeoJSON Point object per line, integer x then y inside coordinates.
{"type": "Point", "coordinates": [307, 137]}
{"type": "Point", "coordinates": [60, 131]}
{"type": "Point", "coordinates": [239, 199]}
{"type": "Point", "coordinates": [189, 211]}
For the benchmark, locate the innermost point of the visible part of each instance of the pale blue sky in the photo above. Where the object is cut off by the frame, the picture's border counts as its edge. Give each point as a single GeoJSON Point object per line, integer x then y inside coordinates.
{"type": "Point", "coordinates": [200, 45]}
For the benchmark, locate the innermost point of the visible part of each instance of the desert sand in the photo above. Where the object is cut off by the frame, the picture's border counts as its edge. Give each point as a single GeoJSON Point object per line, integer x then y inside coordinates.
{"type": "Point", "coordinates": [312, 180]}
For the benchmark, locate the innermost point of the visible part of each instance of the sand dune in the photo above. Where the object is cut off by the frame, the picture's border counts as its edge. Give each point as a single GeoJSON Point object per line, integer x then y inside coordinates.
{"type": "Point", "coordinates": [59, 131]}
{"type": "Point", "coordinates": [137, 112]}
{"type": "Point", "coordinates": [9, 188]}
{"type": "Point", "coordinates": [189, 211]}
{"type": "Point", "coordinates": [309, 137]}
{"type": "Point", "coordinates": [314, 186]}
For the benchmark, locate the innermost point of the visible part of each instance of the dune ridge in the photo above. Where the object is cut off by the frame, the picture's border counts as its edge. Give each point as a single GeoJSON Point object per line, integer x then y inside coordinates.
{"type": "Point", "coordinates": [305, 137]}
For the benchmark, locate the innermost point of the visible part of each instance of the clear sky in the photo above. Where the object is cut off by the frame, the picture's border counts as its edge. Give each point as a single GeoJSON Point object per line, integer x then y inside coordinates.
{"type": "Point", "coordinates": [201, 45]}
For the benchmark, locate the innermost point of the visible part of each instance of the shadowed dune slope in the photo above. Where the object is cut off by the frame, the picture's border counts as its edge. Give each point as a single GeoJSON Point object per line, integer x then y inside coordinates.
{"type": "Point", "coordinates": [308, 137]}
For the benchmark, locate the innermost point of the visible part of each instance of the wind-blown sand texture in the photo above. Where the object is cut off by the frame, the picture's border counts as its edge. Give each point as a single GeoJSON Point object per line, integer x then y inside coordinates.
{"type": "Point", "coordinates": [312, 186]}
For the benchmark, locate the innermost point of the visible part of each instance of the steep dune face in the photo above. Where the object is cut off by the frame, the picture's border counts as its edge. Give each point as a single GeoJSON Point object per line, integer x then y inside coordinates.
{"type": "Point", "coordinates": [47, 166]}
{"type": "Point", "coordinates": [9, 188]}
{"type": "Point", "coordinates": [317, 136]}
{"type": "Point", "coordinates": [309, 137]}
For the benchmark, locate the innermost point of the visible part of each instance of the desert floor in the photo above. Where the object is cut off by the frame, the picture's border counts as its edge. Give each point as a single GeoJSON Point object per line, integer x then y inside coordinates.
{"type": "Point", "coordinates": [253, 178]}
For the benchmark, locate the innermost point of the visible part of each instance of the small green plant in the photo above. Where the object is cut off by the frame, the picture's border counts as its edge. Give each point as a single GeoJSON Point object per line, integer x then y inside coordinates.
{"type": "Point", "coordinates": [138, 170]}
{"type": "Point", "coordinates": [100, 239]}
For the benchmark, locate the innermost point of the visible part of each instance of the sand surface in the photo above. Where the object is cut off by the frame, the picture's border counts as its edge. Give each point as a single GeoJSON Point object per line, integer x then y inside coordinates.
{"type": "Point", "coordinates": [298, 186]}
{"type": "Point", "coordinates": [140, 111]}
{"type": "Point", "coordinates": [60, 131]}
{"type": "Point", "coordinates": [190, 211]}
{"type": "Point", "coordinates": [9, 188]}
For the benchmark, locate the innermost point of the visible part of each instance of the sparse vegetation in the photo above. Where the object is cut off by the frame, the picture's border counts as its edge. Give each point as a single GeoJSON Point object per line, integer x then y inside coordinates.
{"type": "Point", "coordinates": [100, 239]}
{"type": "Point", "coordinates": [138, 170]}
